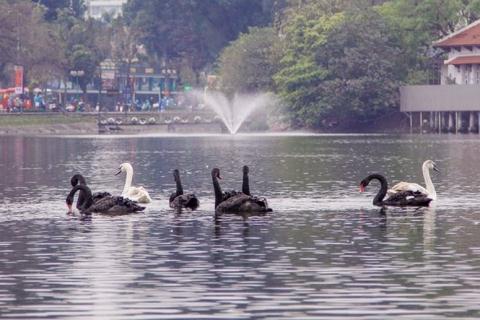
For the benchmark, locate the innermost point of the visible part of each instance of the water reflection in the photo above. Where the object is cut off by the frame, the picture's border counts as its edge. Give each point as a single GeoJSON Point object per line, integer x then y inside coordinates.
{"type": "Point", "coordinates": [324, 253]}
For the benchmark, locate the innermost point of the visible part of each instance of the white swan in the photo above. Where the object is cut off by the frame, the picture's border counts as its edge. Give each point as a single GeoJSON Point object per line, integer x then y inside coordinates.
{"type": "Point", "coordinates": [138, 194]}
{"type": "Point", "coordinates": [429, 191]}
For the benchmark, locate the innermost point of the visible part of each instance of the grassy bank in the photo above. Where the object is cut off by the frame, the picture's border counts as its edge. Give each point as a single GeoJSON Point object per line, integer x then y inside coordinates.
{"type": "Point", "coordinates": [20, 120]}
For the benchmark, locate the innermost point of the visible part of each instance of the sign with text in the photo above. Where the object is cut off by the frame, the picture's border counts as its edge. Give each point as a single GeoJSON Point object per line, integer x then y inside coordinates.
{"type": "Point", "coordinates": [108, 80]}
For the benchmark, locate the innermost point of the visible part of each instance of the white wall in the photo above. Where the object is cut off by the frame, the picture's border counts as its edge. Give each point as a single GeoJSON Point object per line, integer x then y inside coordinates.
{"type": "Point", "coordinates": [461, 74]}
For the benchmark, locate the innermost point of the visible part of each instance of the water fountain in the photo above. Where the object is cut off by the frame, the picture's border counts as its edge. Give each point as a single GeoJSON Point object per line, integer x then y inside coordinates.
{"type": "Point", "coordinates": [235, 111]}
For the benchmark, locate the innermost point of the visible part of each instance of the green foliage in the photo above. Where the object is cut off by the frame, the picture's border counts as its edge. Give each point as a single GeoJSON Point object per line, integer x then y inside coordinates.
{"type": "Point", "coordinates": [27, 40]}
{"type": "Point", "coordinates": [193, 31]}
{"type": "Point", "coordinates": [300, 74]}
{"type": "Point", "coordinates": [247, 64]}
{"type": "Point", "coordinates": [84, 45]}
{"type": "Point", "coordinates": [418, 23]}
{"type": "Point", "coordinates": [343, 61]}
{"type": "Point", "coordinates": [76, 7]}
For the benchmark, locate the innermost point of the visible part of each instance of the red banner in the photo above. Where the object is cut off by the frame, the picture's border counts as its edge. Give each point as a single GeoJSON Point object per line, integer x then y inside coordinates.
{"type": "Point", "coordinates": [18, 79]}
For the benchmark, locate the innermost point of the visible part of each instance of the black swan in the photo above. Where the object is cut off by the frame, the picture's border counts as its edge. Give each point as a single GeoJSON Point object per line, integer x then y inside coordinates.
{"type": "Point", "coordinates": [245, 183]}
{"type": "Point", "coordinates": [108, 204]}
{"type": "Point", "coordinates": [79, 179]}
{"type": "Point", "coordinates": [401, 199]}
{"type": "Point", "coordinates": [180, 200]}
{"type": "Point", "coordinates": [237, 203]}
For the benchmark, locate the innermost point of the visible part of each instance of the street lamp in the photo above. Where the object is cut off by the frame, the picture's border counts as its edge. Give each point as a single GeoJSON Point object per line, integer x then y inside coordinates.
{"type": "Point", "coordinates": [77, 74]}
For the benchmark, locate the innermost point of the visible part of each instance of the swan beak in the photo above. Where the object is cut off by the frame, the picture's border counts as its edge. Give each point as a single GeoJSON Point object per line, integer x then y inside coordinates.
{"type": "Point", "coordinates": [119, 171]}
{"type": "Point", "coordinates": [219, 177]}
{"type": "Point", "coordinates": [362, 188]}
{"type": "Point", "coordinates": [436, 169]}
{"type": "Point", "coordinates": [69, 206]}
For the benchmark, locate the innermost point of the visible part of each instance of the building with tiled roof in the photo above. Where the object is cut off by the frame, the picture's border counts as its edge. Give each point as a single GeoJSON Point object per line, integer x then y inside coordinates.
{"type": "Point", "coordinates": [462, 65]}
{"type": "Point", "coordinates": [454, 104]}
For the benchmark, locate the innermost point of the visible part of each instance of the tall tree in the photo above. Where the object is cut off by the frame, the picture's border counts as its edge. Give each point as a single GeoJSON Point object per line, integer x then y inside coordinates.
{"type": "Point", "coordinates": [248, 63]}
{"type": "Point", "coordinates": [193, 30]}
{"type": "Point", "coordinates": [337, 67]}
{"type": "Point", "coordinates": [304, 31]}
{"type": "Point", "coordinates": [77, 7]}
{"type": "Point", "coordinates": [27, 40]}
{"type": "Point", "coordinates": [85, 43]}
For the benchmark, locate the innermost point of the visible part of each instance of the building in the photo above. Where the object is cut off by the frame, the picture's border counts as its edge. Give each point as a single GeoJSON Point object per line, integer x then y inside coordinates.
{"type": "Point", "coordinates": [463, 63]}
{"type": "Point", "coordinates": [110, 85]}
{"type": "Point", "coordinates": [454, 104]}
{"type": "Point", "coordinates": [97, 8]}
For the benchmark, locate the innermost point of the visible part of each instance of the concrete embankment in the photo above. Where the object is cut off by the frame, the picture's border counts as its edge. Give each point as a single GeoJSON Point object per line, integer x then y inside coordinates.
{"type": "Point", "coordinates": [111, 123]}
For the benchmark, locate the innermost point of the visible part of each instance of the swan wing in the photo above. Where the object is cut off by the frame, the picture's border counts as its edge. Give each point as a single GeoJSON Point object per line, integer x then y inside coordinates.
{"type": "Point", "coordinates": [228, 194]}
{"type": "Point", "coordinates": [138, 194]}
{"type": "Point", "coordinates": [189, 201]}
{"type": "Point", "coordinates": [408, 198]}
{"type": "Point", "coordinates": [243, 203]}
{"type": "Point", "coordinates": [103, 205]}
{"type": "Point", "coordinates": [112, 204]}
{"type": "Point", "coordinates": [407, 186]}
{"type": "Point", "coordinates": [97, 196]}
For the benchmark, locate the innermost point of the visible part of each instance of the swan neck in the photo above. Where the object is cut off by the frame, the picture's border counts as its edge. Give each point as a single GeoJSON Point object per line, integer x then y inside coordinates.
{"type": "Point", "coordinates": [179, 186]}
{"type": "Point", "coordinates": [246, 184]}
{"type": "Point", "coordinates": [218, 191]}
{"type": "Point", "coordinates": [81, 199]}
{"type": "Point", "coordinates": [88, 199]}
{"type": "Point", "coordinates": [428, 183]}
{"type": "Point", "coordinates": [378, 200]}
{"type": "Point", "coordinates": [128, 180]}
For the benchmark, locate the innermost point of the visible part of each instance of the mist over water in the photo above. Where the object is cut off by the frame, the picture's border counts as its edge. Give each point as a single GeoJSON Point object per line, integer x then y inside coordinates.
{"type": "Point", "coordinates": [233, 112]}
{"type": "Point", "coordinates": [324, 253]}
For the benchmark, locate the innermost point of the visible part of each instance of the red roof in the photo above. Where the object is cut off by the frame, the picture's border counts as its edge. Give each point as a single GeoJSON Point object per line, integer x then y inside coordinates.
{"type": "Point", "coordinates": [468, 36]}
{"type": "Point", "coordinates": [464, 60]}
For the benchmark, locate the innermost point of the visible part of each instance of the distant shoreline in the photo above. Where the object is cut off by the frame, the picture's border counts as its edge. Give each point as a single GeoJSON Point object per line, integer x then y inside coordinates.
{"type": "Point", "coordinates": [55, 123]}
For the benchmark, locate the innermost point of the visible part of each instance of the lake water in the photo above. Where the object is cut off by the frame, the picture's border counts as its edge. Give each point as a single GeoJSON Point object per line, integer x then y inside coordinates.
{"type": "Point", "coordinates": [325, 252]}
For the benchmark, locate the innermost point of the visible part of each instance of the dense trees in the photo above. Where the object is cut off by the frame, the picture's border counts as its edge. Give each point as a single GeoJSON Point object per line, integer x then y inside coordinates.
{"type": "Point", "coordinates": [343, 61]}
{"type": "Point", "coordinates": [331, 61]}
{"type": "Point", "coordinates": [248, 64]}
{"type": "Point", "coordinates": [339, 68]}
{"type": "Point", "coordinates": [52, 7]}
{"type": "Point", "coordinates": [83, 45]}
{"type": "Point", "coordinates": [194, 32]}
{"type": "Point", "coordinates": [27, 40]}
{"type": "Point", "coordinates": [49, 39]}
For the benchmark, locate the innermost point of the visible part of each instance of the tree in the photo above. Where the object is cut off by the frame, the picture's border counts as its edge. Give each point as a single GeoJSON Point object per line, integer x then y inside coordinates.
{"type": "Point", "coordinates": [193, 31]}
{"type": "Point", "coordinates": [419, 23]}
{"type": "Point", "coordinates": [339, 68]}
{"type": "Point", "coordinates": [300, 75]}
{"type": "Point", "coordinates": [77, 7]}
{"type": "Point", "coordinates": [364, 75]}
{"type": "Point", "coordinates": [247, 64]}
{"type": "Point", "coordinates": [84, 44]}
{"type": "Point", "coordinates": [27, 40]}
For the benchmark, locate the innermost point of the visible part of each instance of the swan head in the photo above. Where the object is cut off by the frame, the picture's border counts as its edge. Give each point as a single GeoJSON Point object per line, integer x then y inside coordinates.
{"type": "Point", "coordinates": [124, 167]}
{"type": "Point", "coordinates": [69, 202]}
{"type": "Point", "coordinates": [430, 165]}
{"type": "Point", "coordinates": [176, 174]}
{"type": "Point", "coordinates": [246, 169]}
{"type": "Point", "coordinates": [363, 184]}
{"type": "Point", "coordinates": [77, 179]}
{"type": "Point", "coordinates": [216, 173]}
